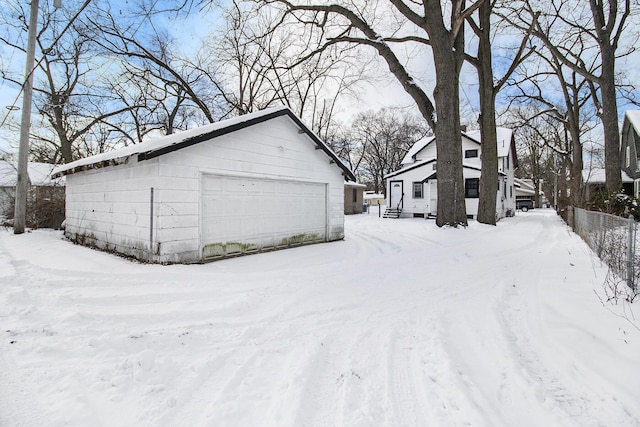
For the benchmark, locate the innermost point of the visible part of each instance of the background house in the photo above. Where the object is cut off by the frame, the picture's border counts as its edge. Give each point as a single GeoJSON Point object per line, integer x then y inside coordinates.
{"type": "Point", "coordinates": [257, 182]}
{"type": "Point", "coordinates": [413, 189]}
{"type": "Point", "coordinates": [525, 188]}
{"type": "Point", "coordinates": [630, 148]}
{"type": "Point", "coordinates": [45, 197]}
{"type": "Point", "coordinates": [353, 197]}
{"type": "Point", "coordinates": [374, 199]}
{"type": "Point", "coordinates": [595, 182]}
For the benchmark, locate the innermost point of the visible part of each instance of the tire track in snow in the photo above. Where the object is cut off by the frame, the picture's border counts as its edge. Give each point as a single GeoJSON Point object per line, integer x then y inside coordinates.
{"type": "Point", "coordinates": [19, 406]}
{"type": "Point", "coordinates": [574, 404]}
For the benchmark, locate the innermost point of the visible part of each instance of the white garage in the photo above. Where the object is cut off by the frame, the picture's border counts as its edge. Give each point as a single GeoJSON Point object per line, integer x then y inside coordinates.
{"type": "Point", "coordinates": [258, 182]}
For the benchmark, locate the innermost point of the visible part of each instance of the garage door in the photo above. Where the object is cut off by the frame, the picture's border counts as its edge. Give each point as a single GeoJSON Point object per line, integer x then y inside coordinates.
{"type": "Point", "coordinates": [246, 214]}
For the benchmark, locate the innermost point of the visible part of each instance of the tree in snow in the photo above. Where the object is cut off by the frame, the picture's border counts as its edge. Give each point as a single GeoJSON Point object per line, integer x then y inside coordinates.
{"type": "Point", "coordinates": [488, 90]}
{"type": "Point", "coordinates": [382, 139]}
{"type": "Point", "coordinates": [388, 28]}
{"type": "Point", "coordinates": [587, 38]}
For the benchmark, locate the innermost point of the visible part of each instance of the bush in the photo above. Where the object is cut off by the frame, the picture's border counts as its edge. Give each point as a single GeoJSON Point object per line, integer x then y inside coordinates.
{"type": "Point", "coordinates": [618, 204]}
{"type": "Point", "coordinates": [45, 207]}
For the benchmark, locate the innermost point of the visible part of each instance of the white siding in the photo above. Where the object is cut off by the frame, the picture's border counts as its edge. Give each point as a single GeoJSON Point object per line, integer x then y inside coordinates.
{"type": "Point", "coordinates": [428, 152]}
{"type": "Point", "coordinates": [411, 205]}
{"type": "Point", "coordinates": [110, 208]}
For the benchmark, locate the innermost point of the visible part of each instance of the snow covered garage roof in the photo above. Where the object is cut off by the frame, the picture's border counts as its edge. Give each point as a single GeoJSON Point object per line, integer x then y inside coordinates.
{"type": "Point", "coordinates": [167, 144]}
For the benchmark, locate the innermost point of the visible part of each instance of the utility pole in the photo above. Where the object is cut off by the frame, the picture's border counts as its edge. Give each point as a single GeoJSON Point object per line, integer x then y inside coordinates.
{"type": "Point", "coordinates": [20, 213]}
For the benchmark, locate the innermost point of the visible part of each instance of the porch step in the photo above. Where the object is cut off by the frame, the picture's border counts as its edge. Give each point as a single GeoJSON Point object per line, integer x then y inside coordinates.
{"type": "Point", "coordinates": [392, 213]}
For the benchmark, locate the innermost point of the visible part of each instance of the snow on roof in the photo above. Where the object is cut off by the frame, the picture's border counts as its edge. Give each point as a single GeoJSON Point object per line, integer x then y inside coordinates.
{"type": "Point", "coordinates": [409, 167]}
{"type": "Point", "coordinates": [39, 174]}
{"type": "Point", "coordinates": [524, 183]}
{"type": "Point", "coordinates": [419, 145]}
{"type": "Point", "coordinates": [158, 146]}
{"type": "Point", "coordinates": [633, 116]}
{"type": "Point", "coordinates": [368, 196]}
{"type": "Point", "coordinates": [597, 176]}
{"type": "Point", "coordinates": [354, 184]}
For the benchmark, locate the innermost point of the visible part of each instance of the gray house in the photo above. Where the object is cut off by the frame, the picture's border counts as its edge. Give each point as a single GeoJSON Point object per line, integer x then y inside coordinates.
{"type": "Point", "coordinates": [630, 148]}
{"type": "Point", "coordinates": [257, 182]}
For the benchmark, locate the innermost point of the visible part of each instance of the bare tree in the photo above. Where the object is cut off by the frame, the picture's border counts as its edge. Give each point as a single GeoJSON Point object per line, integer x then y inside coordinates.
{"type": "Point", "coordinates": [66, 94]}
{"type": "Point", "coordinates": [588, 40]}
{"type": "Point", "coordinates": [384, 137]}
{"type": "Point", "coordinates": [174, 82]}
{"type": "Point", "coordinates": [438, 25]}
{"type": "Point", "coordinates": [265, 61]}
{"type": "Point", "coordinates": [488, 90]}
{"type": "Point", "coordinates": [564, 96]}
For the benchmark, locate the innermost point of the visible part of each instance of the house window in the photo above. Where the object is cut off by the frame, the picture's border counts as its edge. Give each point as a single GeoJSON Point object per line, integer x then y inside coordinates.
{"type": "Point", "coordinates": [435, 166]}
{"type": "Point", "coordinates": [468, 154]}
{"type": "Point", "coordinates": [628, 159]}
{"type": "Point", "coordinates": [417, 190]}
{"type": "Point", "coordinates": [507, 162]}
{"type": "Point", "coordinates": [355, 195]}
{"type": "Point", "coordinates": [472, 188]}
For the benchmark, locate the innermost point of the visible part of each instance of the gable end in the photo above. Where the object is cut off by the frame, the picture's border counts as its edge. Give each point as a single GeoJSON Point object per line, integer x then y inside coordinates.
{"type": "Point", "coordinates": [238, 126]}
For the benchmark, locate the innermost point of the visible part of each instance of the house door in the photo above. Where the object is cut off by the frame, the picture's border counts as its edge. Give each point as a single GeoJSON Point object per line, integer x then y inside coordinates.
{"type": "Point", "coordinates": [433, 197]}
{"type": "Point", "coordinates": [395, 194]}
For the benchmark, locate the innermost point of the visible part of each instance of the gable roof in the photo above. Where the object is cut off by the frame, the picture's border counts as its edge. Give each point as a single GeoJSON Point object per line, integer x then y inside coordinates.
{"type": "Point", "coordinates": [504, 136]}
{"type": "Point", "coordinates": [431, 173]}
{"type": "Point", "coordinates": [504, 139]}
{"type": "Point", "coordinates": [409, 167]}
{"type": "Point", "coordinates": [598, 176]}
{"type": "Point", "coordinates": [416, 148]}
{"type": "Point", "coordinates": [159, 146]}
{"type": "Point", "coordinates": [632, 118]}
{"type": "Point", "coordinates": [39, 174]}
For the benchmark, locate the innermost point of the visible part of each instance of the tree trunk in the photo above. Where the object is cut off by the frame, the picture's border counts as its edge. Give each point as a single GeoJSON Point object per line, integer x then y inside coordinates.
{"type": "Point", "coordinates": [609, 116]}
{"type": "Point", "coordinates": [575, 172]}
{"type": "Point", "coordinates": [489, 173]}
{"type": "Point", "coordinates": [451, 209]}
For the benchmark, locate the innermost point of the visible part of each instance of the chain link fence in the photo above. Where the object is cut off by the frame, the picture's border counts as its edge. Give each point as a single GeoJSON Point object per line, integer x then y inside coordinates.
{"type": "Point", "coordinates": [614, 240]}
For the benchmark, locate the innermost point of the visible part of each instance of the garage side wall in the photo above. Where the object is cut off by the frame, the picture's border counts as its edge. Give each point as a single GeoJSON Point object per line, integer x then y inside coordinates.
{"type": "Point", "coordinates": [109, 208]}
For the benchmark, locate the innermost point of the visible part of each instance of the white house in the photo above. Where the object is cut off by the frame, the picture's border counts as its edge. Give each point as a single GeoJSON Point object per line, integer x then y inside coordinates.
{"type": "Point", "coordinates": [413, 189]}
{"type": "Point", "coordinates": [258, 182]}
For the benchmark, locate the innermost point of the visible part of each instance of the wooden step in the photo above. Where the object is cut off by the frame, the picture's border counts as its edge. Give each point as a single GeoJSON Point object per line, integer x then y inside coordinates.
{"type": "Point", "coordinates": [392, 213]}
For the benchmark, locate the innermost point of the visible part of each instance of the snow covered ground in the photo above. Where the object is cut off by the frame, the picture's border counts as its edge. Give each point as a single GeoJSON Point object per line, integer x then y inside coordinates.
{"type": "Point", "coordinates": [401, 324]}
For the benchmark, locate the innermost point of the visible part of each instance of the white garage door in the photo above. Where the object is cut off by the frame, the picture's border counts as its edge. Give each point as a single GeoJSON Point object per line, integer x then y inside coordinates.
{"type": "Point", "coordinates": [247, 214]}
